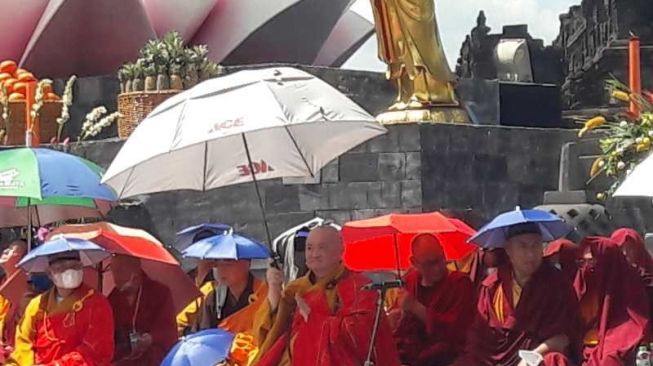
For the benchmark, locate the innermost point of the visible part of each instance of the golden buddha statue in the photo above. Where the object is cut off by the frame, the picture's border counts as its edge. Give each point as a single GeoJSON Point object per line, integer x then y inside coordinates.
{"type": "Point", "coordinates": [409, 42]}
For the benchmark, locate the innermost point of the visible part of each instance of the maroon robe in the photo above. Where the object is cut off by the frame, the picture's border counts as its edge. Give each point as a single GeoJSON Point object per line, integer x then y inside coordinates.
{"type": "Point", "coordinates": [644, 262]}
{"type": "Point", "coordinates": [450, 311]}
{"type": "Point", "coordinates": [155, 315]}
{"type": "Point", "coordinates": [567, 253]}
{"type": "Point", "coordinates": [621, 320]}
{"type": "Point", "coordinates": [547, 308]}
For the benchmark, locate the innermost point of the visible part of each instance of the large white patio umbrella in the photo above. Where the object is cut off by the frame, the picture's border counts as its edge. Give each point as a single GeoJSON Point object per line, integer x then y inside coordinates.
{"type": "Point", "coordinates": [639, 183]}
{"type": "Point", "coordinates": [247, 126]}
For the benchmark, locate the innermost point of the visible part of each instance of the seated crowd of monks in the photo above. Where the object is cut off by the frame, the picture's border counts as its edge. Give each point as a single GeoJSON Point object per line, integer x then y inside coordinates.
{"type": "Point", "coordinates": [585, 304]}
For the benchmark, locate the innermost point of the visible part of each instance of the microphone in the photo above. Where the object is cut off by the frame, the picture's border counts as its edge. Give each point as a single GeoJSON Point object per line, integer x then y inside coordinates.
{"type": "Point", "coordinates": [385, 285]}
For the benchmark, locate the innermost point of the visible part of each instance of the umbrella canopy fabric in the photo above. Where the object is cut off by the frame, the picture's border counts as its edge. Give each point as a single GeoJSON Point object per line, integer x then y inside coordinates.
{"type": "Point", "coordinates": [639, 182]}
{"type": "Point", "coordinates": [494, 234]}
{"type": "Point", "coordinates": [207, 347]}
{"type": "Point", "coordinates": [272, 123]}
{"type": "Point", "coordinates": [227, 246]}
{"type": "Point", "coordinates": [61, 186]}
{"type": "Point", "coordinates": [119, 240]}
{"type": "Point", "coordinates": [37, 260]}
{"type": "Point", "coordinates": [384, 243]}
{"type": "Point", "coordinates": [157, 263]}
{"type": "Point", "coordinates": [185, 237]}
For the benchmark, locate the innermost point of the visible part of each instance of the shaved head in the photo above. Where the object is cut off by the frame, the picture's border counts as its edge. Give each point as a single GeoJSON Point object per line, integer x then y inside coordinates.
{"type": "Point", "coordinates": [428, 258]}
{"type": "Point", "coordinates": [324, 250]}
{"type": "Point", "coordinates": [424, 244]}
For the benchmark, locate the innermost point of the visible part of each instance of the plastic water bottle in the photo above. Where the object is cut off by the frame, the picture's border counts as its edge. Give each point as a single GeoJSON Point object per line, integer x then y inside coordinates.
{"type": "Point", "coordinates": [643, 357]}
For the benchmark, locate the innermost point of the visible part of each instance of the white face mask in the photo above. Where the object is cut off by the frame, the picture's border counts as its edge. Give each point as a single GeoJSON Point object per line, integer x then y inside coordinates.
{"type": "Point", "coordinates": [68, 279]}
{"type": "Point", "coordinates": [557, 265]}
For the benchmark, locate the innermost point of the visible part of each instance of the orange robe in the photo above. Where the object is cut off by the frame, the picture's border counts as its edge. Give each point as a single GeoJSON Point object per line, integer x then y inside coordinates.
{"type": "Point", "coordinates": [242, 321]}
{"type": "Point", "coordinates": [77, 331]}
{"type": "Point", "coordinates": [189, 316]}
{"type": "Point", "coordinates": [153, 314]}
{"type": "Point", "coordinates": [336, 330]}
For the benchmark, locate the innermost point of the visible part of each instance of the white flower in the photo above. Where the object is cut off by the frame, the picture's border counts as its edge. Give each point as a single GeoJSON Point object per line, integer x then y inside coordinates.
{"type": "Point", "coordinates": [650, 133]}
{"type": "Point", "coordinates": [601, 163]}
{"type": "Point", "coordinates": [621, 165]}
{"type": "Point", "coordinates": [623, 124]}
{"type": "Point", "coordinates": [639, 140]}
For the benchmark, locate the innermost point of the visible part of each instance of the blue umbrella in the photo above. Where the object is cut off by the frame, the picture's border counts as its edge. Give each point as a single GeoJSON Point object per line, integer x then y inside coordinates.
{"type": "Point", "coordinates": [186, 237]}
{"type": "Point", "coordinates": [494, 234]}
{"type": "Point", "coordinates": [37, 260]}
{"type": "Point", "coordinates": [206, 348]}
{"type": "Point", "coordinates": [227, 246]}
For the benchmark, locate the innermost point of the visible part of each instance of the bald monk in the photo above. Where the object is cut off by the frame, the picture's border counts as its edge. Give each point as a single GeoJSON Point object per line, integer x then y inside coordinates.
{"type": "Point", "coordinates": [563, 254]}
{"type": "Point", "coordinates": [526, 305]}
{"type": "Point", "coordinates": [322, 318]}
{"type": "Point", "coordinates": [435, 308]}
{"type": "Point", "coordinates": [145, 327]}
{"type": "Point", "coordinates": [614, 307]}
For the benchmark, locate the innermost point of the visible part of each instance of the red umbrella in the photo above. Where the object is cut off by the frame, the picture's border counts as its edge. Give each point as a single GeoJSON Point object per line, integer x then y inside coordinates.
{"type": "Point", "coordinates": [157, 263]}
{"type": "Point", "coordinates": [383, 243]}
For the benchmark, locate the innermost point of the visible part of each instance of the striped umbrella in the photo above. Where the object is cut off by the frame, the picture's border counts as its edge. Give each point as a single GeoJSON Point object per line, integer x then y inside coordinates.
{"type": "Point", "coordinates": [41, 186]}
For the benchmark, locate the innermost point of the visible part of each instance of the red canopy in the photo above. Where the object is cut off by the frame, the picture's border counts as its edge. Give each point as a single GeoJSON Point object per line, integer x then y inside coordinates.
{"type": "Point", "coordinates": [373, 244]}
{"type": "Point", "coordinates": [157, 263]}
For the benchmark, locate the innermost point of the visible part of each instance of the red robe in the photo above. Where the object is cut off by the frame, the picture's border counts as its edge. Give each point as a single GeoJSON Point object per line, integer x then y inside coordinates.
{"type": "Point", "coordinates": [78, 331]}
{"type": "Point", "coordinates": [567, 253]}
{"type": "Point", "coordinates": [329, 336]}
{"type": "Point", "coordinates": [547, 307]}
{"type": "Point", "coordinates": [155, 316]}
{"type": "Point", "coordinates": [450, 312]}
{"type": "Point", "coordinates": [618, 308]}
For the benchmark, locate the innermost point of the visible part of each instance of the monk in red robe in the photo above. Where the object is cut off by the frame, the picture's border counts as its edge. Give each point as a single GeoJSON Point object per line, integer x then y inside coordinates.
{"type": "Point", "coordinates": [563, 254]}
{"type": "Point", "coordinates": [614, 307]}
{"type": "Point", "coordinates": [69, 325]}
{"type": "Point", "coordinates": [322, 318]}
{"type": "Point", "coordinates": [526, 305]}
{"type": "Point", "coordinates": [435, 308]}
{"type": "Point", "coordinates": [144, 315]}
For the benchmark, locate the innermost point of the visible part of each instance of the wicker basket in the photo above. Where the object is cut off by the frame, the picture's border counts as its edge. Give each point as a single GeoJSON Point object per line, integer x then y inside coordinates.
{"type": "Point", "coordinates": [135, 106]}
{"type": "Point", "coordinates": [50, 111]}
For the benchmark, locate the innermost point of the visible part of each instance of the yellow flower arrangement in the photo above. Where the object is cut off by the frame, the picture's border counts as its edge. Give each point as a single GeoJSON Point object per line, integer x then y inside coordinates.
{"type": "Point", "coordinates": [626, 139]}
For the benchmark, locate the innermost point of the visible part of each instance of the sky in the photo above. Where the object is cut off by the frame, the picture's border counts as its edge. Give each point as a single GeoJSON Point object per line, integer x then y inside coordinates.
{"type": "Point", "coordinates": [456, 18]}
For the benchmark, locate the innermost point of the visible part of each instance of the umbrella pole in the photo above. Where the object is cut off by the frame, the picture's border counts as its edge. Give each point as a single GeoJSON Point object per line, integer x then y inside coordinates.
{"type": "Point", "coordinates": [29, 226]}
{"type": "Point", "coordinates": [258, 195]}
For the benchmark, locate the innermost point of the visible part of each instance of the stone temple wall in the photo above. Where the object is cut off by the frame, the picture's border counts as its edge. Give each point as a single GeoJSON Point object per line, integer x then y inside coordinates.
{"type": "Point", "coordinates": [413, 168]}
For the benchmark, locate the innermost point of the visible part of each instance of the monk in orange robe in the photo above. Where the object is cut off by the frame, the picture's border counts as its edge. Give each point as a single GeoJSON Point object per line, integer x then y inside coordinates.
{"type": "Point", "coordinates": [435, 308]}
{"type": "Point", "coordinates": [234, 300]}
{"type": "Point", "coordinates": [322, 318]}
{"type": "Point", "coordinates": [145, 327]}
{"type": "Point", "coordinates": [15, 283]}
{"type": "Point", "coordinates": [69, 325]}
{"type": "Point", "coordinates": [526, 305]}
{"type": "Point", "coordinates": [189, 316]}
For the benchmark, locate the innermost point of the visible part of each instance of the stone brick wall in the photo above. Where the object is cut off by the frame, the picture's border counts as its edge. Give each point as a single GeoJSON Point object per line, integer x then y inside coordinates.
{"type": "Point", "coordinates": [413, 168]}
